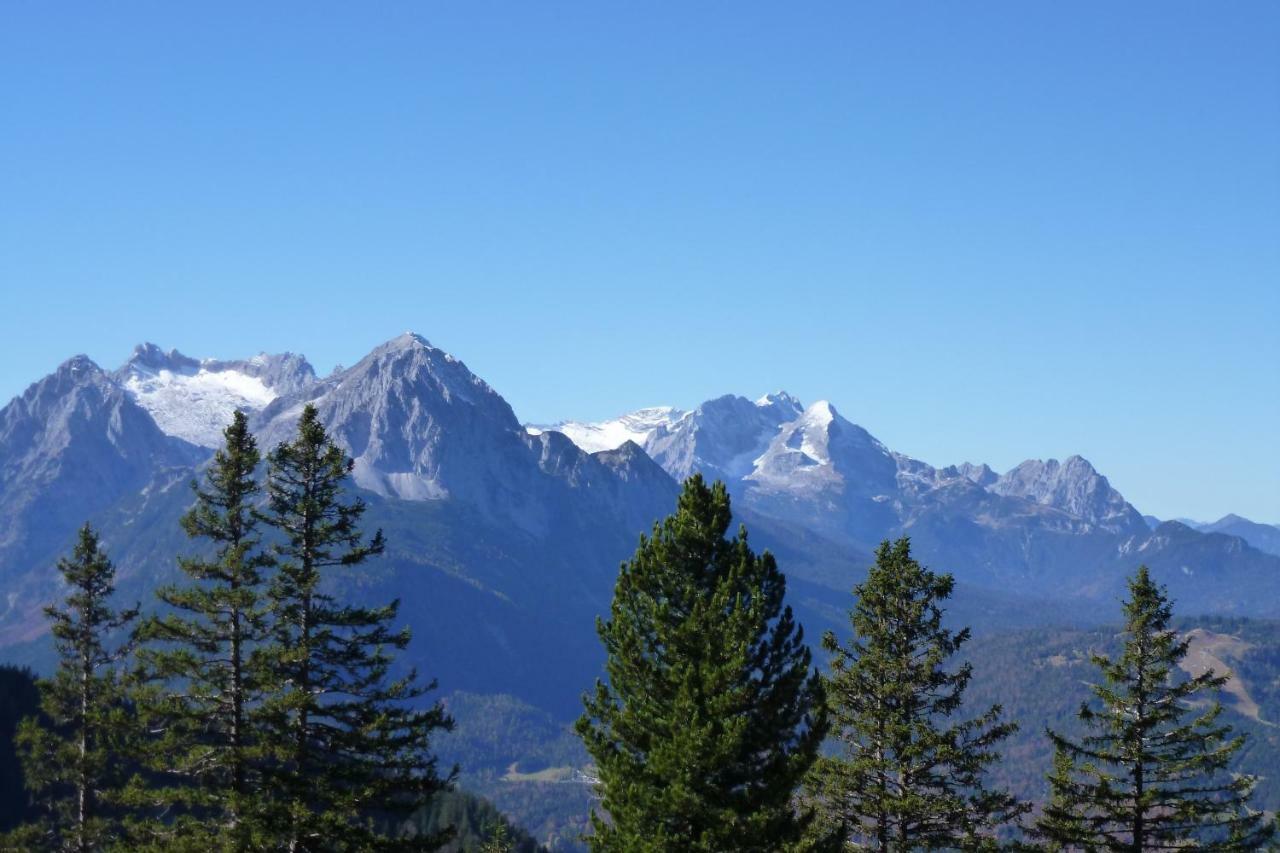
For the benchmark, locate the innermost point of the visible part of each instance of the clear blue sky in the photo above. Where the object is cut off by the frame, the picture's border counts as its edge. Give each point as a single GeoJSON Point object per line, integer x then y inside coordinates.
{"type": "Point", "coordinates": [985, 231]}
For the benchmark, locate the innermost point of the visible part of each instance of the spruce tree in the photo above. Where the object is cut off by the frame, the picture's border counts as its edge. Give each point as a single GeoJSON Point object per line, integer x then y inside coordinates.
{"type": "Point", "coordinates": [349, 743]}
{"type": "Point", "coordinates": [711, 713]}
{"type": "Point", "coordinates": [1062, 823]}
{"type": "Point", "coordinates": [1151, 771]}
{"type": "Point", "coordinates": [204, 661]}
{"type": "Point", "coordinates": [911, 773]}
{"type": "Point", "coordinates": [76, 767]}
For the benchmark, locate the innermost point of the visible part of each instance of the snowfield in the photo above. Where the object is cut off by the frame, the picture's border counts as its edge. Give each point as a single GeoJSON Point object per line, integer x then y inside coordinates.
{"type": "Point", "coordinates": [637, 426]}
{"type": "Point", "coordinates": [197, 407]}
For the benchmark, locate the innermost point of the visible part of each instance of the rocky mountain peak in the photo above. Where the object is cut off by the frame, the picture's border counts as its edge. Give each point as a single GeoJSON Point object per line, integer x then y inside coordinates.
{"type": "Point", "coordinates": [76, 370]}
{"type": "Point", "coordinates": [1073, 486]}
{"type": "Point", "coordinates": [786, 405]}
{"type": "Point", "coordinates": [408, 365]}
{"type": "Point", "coordinates": [721, 438]}
{"type": "Point", "coordinates": [980, 474]}
{"type": "Point", "coordinates": [408, 340]}
{"type": "Point", "coordinates": [70, 444]}
{"type": "Point", "coordinates": [822, 451]}
{"type": "Point", "coordinates": [77, 378]}
{"type": "Point", "coordinates": [418, 423]}
{"type": "Point", "coordinates": [149, 357]}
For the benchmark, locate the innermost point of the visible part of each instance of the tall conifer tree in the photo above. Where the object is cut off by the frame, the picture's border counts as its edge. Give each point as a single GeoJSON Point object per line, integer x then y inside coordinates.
{"type": "Point", "coordinates": [348, 740]}
{"type": "Point", "coordinates": [711, 713]}
{"type": "Point", "coordinates": [1151, 771]}
{"type": "Point", "coordinates": [911, 774]}
{"type": "Point", "coordinates": [204, 661]}
{"type": "Point", "coordinates": [76, 768]}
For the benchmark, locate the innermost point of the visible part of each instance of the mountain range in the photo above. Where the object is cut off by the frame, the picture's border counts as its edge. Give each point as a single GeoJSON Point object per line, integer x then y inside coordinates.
{"type": "Point", "coordinates": [505, 538]}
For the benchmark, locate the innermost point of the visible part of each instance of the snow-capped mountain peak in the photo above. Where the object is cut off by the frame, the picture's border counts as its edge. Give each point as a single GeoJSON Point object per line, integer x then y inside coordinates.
{"type": "Point", "coordinates": [193, 399]}
{"type": "Point", "coordinates": [812, 435]}
{"type": "Point", "coordinates": [785, 404]}
{"type": "Point", "coordinates": [820, 450]}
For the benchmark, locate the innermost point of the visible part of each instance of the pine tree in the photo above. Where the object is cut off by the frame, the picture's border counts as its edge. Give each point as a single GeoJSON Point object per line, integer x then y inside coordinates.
{"type": "Point", "coordinates": [204, 661]}
{"type": "Point", "coordinates": [711, 714]}
{"type": "Point", "coordinates": [499, 839]}
{"type": "Point", "coordinates": [348, 742]}
{"type": "Point", "coordinates": [76, 766]}
{"type": "Point", "coordinates": [909, 778]}
{"type": "Point", "coordinates": [1063, 818]}
{"type": "Point", "coordinates": [1151, 771]}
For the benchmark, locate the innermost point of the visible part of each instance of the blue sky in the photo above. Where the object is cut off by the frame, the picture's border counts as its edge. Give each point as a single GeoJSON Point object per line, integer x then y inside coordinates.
{"type": "Point", "coordinates": [985, 231]}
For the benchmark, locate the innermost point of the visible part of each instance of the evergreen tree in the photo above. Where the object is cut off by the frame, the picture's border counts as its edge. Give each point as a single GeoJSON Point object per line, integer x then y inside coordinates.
{"type": "Point", "coordinates": [910, 777]}
{"type": "Point", "coordinates": [19, 699]}
{"type": "Point", "coordinates": [499, 840]}
{"type": "Point", "coordinates": [1063, 818]}
{"type": "Point", "coordinates": [205, 663]}
{"type": "Point", "coordinates": [711, 714]}
{"type": "Point", "coordinates": [348, 741]}
{"type": "Point", "coordinates": [75, 767]}
{"type": "Point", "coordinates": [1151, 771]}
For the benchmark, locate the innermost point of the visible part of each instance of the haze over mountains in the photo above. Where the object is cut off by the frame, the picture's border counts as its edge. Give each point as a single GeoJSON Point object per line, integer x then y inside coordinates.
{"type": "Point", "coordinates": [505, 539]}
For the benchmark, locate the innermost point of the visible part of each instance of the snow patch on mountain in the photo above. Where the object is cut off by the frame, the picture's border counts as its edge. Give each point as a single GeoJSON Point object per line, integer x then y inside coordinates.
{"type": "Point", "coordinates": [657, 427]}
{"type": "Point", "coordinates": [197, 407]}
{"type": "Point", "coordinates": [784, 405]}
{"type": "Point", "coordinates": [194, 399]}
{"type": "Point", "coordinates": [813, 432]}
{"type": "Point", "coordinates": [637, 426]}
{"type": "Point", "coordinates": [822, 452]}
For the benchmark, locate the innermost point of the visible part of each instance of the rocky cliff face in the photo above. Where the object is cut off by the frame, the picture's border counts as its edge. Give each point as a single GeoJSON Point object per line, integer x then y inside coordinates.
{"type": "Point", "coordinates": [418, 423]}
{"type": "Point", "coordinates": [422, 427]}
{"type": "Point", "coordinates": [1074, 487]}
{"type": "Point", "coordinates": [71, 446]}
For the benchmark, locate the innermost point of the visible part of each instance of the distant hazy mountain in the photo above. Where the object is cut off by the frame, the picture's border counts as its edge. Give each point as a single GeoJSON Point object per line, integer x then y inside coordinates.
{"type": "Point", "coordinates": [505, 539]}
{"type": "Point", "coordinates": [1264, 537]}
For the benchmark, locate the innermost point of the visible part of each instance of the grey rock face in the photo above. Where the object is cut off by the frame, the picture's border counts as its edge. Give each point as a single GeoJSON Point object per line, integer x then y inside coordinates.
{"type": "Point", "coordinates": [421, 426]}
{"type": "Point", "coordinates": [1074, 487]}
{"type": "Point", "coordinates": [71, 445]}
{"type": "Point", "coordinates": [417, 422]}
{"type": "Point", "coordinates": [75, 440]}
{"type": "Point", "coordinates": [980, 474]}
